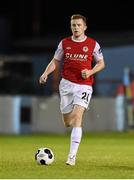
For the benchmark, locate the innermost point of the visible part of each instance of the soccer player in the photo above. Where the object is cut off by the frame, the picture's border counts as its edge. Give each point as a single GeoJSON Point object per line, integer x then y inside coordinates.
{"type": "Point", "coordinates": [77, 53]}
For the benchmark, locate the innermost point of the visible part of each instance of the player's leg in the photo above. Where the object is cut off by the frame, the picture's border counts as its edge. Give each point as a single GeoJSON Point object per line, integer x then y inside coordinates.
{"type": "Point", "coordinates": [74, 119]}
{"type": "Point", "coordinates": [74, 100]}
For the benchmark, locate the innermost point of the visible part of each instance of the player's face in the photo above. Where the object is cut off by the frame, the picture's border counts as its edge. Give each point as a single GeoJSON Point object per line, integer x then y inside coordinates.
{"type": "Point", "coordinates": [78, 27]}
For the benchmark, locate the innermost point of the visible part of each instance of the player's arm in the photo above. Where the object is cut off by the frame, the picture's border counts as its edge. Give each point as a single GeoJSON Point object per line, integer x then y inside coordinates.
{"type": "Point", "coordinates": [100, 64]}
{"type": "Point", "coordinates": [53, 64]}
{"type": "Point", "coordinates": [98, 67]}
{"type": "Point", "coordinates": [49, 69]}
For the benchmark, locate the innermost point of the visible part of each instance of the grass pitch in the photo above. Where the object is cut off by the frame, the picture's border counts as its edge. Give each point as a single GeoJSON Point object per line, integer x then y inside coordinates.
{"type": "Point", "coordinates": [100, 156]}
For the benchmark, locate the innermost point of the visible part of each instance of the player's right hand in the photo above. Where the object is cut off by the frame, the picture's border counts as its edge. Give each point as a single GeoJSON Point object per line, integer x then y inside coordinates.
{"type": "Point", "coordinates": [43, 79]}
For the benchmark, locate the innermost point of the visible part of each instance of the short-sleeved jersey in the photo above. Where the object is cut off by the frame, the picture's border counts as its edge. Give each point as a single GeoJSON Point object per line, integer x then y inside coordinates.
{"type": "Point", "coordinates": [77, 55]}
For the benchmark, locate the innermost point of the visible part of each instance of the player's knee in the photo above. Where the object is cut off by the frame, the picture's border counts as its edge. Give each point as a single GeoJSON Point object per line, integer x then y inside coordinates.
{"type": "Point", "coordinates": [67, 121]}
{"type": "Point", "coordinates": [76, 120]}
{"type": "Point", "coordinates": [75, 117]}
{"type": "Point", "coordinates": [73, 120]}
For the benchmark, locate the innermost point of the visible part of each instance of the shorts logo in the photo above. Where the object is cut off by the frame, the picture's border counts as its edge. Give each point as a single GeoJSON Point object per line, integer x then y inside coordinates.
{"type": "Point", "coordinates": [85, 49]}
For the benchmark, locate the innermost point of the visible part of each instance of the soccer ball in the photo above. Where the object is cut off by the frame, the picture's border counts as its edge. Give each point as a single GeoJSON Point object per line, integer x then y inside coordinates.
{"type": "Point", "coordinates": [44, 156]}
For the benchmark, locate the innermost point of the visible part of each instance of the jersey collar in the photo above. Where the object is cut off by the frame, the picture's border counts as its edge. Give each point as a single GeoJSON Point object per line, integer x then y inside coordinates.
{"type": "Point", "coordinates": [82, 40]}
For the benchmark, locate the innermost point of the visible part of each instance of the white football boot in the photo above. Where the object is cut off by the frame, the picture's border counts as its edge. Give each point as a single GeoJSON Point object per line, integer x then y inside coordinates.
{"type": "Point", "coordinates": [71, 160]}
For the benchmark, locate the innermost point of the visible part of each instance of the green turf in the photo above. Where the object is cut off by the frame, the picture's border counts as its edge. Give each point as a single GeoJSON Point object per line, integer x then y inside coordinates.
{"type": "Point", "coordinates": [101, 155]}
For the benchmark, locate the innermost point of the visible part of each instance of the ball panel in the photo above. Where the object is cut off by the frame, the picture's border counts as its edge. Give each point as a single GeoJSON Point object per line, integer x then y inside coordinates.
{"type": "Point", "coordinates": [44, 156]}
{"type": "Point", "coordinates": [43, 162]}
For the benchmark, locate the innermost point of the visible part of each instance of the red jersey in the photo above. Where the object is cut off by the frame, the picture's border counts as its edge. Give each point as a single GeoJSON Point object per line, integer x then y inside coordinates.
{"type": "Point", "coordinates": [77, 56]}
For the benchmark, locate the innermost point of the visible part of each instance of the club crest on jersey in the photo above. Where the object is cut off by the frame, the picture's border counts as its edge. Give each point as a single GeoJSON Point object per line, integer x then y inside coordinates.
{"type": "Point", "coordinates": [85, 49]}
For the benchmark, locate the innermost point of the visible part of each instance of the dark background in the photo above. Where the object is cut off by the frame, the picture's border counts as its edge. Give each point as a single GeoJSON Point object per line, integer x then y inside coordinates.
{"type": "Point", "coordinates": [32, 29]}
{"type": "Point", "coordinates": [40, 18]}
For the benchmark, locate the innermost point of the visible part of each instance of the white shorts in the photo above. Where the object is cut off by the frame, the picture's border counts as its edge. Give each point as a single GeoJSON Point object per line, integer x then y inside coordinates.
{"type": "Point", "coordinates": [72, 93]}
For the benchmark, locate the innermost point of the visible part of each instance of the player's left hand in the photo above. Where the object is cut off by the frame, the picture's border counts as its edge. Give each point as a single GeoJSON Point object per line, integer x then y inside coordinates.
{"type": "Point", "coordinates": [85, 73]}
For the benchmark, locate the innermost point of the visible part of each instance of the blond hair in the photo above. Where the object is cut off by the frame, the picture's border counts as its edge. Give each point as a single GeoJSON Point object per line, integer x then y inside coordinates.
{"type": "Point", "coordinates": [79, 16]}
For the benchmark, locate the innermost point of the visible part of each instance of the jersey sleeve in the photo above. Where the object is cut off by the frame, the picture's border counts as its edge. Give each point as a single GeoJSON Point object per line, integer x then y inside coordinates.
{"type": "Point", "coordinates": [59, 53]}
{"type": "Point", "coordinates": [97, 53]}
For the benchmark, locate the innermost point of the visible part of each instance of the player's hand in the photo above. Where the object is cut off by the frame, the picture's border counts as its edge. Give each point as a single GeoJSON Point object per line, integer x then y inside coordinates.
{"type": "Point", "coordinates": [86, 73]}
{"type": "Point", "coordinates": [43, 79]}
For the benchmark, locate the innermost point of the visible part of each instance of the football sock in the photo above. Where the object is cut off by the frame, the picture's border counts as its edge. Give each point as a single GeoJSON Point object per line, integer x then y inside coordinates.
{"type": "Point", "coordinates": [76, 135]}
